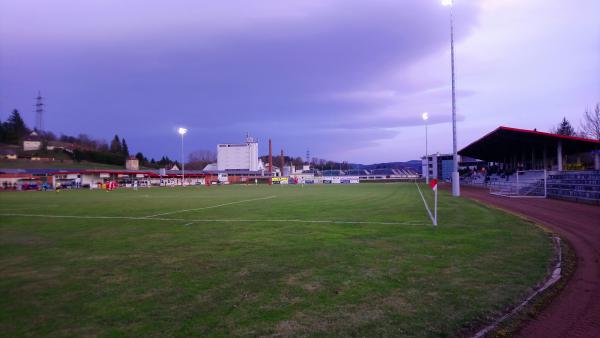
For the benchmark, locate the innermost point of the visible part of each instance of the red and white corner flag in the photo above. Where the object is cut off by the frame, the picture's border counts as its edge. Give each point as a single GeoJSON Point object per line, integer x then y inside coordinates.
{"type": "Point", "coordinates": [433, 184]}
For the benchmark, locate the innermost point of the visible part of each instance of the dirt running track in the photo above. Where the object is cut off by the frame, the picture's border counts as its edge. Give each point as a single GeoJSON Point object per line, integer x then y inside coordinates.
{"type": "Point", "coordinates": [575, 312]}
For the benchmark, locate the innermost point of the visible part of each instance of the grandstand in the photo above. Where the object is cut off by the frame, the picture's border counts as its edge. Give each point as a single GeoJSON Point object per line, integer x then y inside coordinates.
{"type": "Point", "coordinates": [332, 173]}
{"type": "Point", "coordinates": [357, 172]}
{"type": "Point", "coordinates": [529, 163]}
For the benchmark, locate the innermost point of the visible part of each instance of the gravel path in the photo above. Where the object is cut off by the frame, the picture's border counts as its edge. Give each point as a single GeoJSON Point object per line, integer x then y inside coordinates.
{"type": "Point", "coordinates": [575, 312]}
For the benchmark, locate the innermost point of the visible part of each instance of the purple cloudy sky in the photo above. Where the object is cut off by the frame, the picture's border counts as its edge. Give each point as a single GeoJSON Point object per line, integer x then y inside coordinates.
{"type": "Point", "coordinates": [347, 79]}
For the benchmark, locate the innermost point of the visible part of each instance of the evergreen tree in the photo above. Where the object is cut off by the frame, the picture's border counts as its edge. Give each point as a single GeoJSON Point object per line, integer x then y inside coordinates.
{"type": "Point", "coordinates": [14, 129]}
{"type": "Point", "coordinates": [125, 148]}
{"type": "Point", "coordinates": [165, 161]}
{"type": "Point", "coordinates": [565, 128]}
{"type": "Point", "coordinates": [115, 145]}
{"type": "Point", "coordinates": [141, 158]}
{"type": "Point", "coordinates": [2, 132]}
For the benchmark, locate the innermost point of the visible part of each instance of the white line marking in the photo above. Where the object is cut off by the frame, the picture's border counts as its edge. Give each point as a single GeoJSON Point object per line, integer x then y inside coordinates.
{"type": "Point", "coordinates": [218, 220]}
{"type": "Point", "coordinates": [426, 206]}
{"type": "Point", "coordinates": [212, 206]}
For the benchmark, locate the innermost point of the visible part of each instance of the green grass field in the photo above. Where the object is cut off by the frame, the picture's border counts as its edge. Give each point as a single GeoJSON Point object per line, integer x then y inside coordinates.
{"type": "Point", "coordinates": [259, 260]}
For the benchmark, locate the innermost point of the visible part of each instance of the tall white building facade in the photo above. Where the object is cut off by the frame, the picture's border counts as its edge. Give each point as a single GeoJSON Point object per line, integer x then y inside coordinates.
{"type": "Point", "coordinates": [238, 156]}
{"type": "Point", "coordinates": [439, 166]}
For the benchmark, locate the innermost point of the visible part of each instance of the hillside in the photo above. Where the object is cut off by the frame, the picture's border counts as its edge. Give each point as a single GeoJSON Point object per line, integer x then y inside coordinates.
{"type": "Point", "coordinates": [413, 164]}
{"type": "Point", "coordinates": [28, 164]}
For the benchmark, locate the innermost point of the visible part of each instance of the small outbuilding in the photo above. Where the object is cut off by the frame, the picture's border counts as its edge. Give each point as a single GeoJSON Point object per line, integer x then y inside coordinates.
{"type": "Point", "coordinates": [32, 142]}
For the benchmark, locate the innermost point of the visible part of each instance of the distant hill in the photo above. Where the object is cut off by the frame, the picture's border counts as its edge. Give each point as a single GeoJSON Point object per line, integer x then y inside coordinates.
{"type": "Point", "coordinates": [28, 164]}
{"type": "Point", "coordinates": [412, 164]}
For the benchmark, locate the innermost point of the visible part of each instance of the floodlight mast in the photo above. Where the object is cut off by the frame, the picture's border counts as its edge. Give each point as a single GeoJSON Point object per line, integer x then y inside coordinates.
{"type": "Point", "coordinates": [182, 131]}
{"type": "Point", "coordinates": [425, 117]}
{"type": "Point", "coordinates": [455, 176]}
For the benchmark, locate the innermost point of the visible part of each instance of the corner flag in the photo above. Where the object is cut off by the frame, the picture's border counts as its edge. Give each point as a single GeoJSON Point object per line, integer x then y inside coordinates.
{"type": "Point", "coordinates": [433, 184]}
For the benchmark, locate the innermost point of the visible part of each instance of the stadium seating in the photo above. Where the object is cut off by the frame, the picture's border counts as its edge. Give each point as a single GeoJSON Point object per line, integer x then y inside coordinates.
{"type": "Point", "coordinates": [579, 186]}
{"type": "Point", "coordinates": [332, 173]}
{"type": "Point", "coordinates": [357, 172]}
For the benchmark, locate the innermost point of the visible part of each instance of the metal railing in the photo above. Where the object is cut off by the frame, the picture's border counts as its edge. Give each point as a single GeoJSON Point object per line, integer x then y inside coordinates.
{"type": "Point", "coordinates": [531, 183]}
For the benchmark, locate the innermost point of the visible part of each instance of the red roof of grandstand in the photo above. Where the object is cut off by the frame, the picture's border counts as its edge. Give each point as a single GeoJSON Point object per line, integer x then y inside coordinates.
{"type": "Point", "coordinates": [506, 142]}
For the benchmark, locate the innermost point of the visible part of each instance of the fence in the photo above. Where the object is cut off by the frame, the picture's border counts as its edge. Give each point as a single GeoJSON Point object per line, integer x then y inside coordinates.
{"type": "Point", "coordinates": [531, 183]}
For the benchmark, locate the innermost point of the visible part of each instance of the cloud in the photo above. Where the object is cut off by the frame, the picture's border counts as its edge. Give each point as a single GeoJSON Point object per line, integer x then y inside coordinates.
{"type": "Point", "coordinates": [301, 72]}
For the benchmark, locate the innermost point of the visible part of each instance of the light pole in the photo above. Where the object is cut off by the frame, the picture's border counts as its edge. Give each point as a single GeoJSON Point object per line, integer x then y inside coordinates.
{"type": "Point", "coordinates": [182, 131]}
{"type": "Point", "coordinates": [455, 176]}
{"type": "Point", "coordinates": [425, 118]}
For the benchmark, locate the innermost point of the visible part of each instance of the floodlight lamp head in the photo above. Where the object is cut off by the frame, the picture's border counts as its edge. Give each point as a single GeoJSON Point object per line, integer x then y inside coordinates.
{"type": "Point", "coordinates": [447, 2]}
{"type": "Point", "coordinates": [182, 131]}
{"type": "Point", "coordinates": [425, 116]}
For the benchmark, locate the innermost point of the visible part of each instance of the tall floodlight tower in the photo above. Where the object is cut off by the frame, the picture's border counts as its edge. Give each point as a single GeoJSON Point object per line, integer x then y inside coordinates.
{"type": "Point", "coordinates": [182, 131]}
{"type": "Point", "coordinates": [39, 112]}
{"type": "Point", "coordinates": [308, 156]}
{"type": "Point", "coordinates": [425, 117]}
{"type": "Point", "coordinates": [455, 176]}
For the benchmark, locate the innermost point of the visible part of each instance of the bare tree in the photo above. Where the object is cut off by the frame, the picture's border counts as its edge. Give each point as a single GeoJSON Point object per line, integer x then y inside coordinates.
{"type": "Point", "coordinates": [298, 162]}
{"type": "Point", "coordinates": [198, 159]}
{"type": "Point", "coordinates": [590, 127]}
{"type": "Point", "coordinates": [202, 156]}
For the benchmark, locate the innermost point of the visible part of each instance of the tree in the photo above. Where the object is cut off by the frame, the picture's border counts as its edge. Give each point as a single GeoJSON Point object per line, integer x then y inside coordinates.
{"type": "Point", "coordinates": [85, 141]}
{"type": "Point", "coordinates": [141, 158]}
{"type": "Point", "coordinates": [67, 139]}
{"type": "Point", "coordinates": [2, 132]}
{"type": "Point", "coordinates": [115, 145]}
{"type": "Point", "coordinates": [101, 145]}
{"type": "Point", "coordinates": [202, 156]}
{"type": "Point", "coordinates": [14, 129]}
{"type": "Point", "coordinates": [298, 162]}
{"type": "Point", "coordinates": [198, 159]}
{"type": "Point", "coordinates": [124, 148]}
{"type": "Point", "coordinates": [564, 128]}
{"type": "Point", "coordinates": [47, 135]}
{"type": "Point", "coordinates": [165, 161]}
{"type": "Point", "coordinates": [590, 127]}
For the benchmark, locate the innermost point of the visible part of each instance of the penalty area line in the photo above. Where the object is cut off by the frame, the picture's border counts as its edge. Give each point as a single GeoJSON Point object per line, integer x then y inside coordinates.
{"type": "Point", "coordinates": [191, 221]}
{"type": "Point", "coordinates": [211, 207]}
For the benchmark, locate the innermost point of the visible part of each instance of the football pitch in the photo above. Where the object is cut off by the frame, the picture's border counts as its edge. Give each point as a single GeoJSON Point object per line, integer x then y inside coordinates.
{"type": "Point", "coordinates": [259, 260]}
